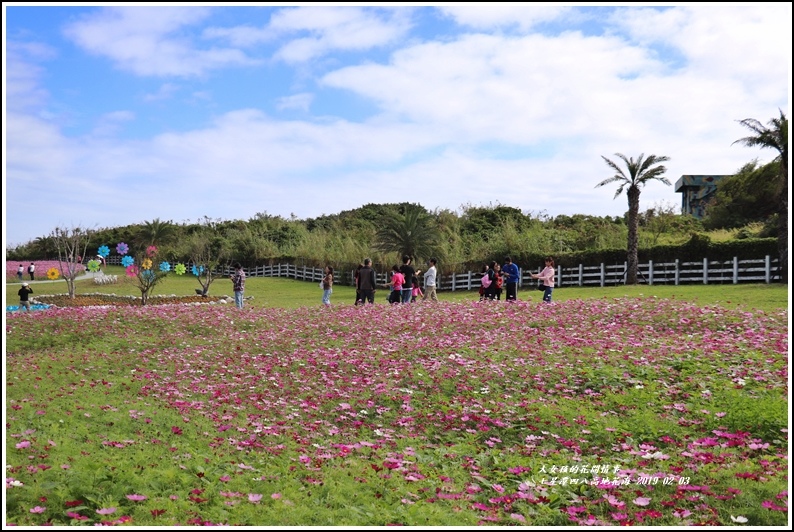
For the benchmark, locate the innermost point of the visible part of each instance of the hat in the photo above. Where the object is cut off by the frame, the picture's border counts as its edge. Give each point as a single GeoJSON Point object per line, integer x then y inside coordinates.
{"type": "Point", "coordinates": [24, 284]}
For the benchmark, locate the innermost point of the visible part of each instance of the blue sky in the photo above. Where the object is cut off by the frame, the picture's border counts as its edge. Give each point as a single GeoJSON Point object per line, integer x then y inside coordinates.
{"type": "Point", "coordinates": [120, 115]}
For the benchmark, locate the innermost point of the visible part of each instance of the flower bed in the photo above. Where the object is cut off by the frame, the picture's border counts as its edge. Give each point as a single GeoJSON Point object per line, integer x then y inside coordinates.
{"type": "Point", "coordinates": [96, 300]}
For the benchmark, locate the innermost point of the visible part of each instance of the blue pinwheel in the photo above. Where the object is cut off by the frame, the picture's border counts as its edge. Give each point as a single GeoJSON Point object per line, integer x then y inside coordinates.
{"type": "Point", "coordinates": [165, 267]}
{"type": "Point", "coordinates": [197, 271]}
{"type": "Point", "coordinates": [103, 251]}
{"type": "Point", "coordinates": [127, 261]}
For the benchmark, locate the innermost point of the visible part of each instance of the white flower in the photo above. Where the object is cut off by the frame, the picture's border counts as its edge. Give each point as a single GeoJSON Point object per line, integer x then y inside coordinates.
{"type": "Point", "coordinates": [740, 519]}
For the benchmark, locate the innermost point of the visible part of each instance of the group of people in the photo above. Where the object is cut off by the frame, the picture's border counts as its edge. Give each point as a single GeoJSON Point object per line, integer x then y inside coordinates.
{"type": "Point", "coordinates": [497, 278]}
{"type": "Point", "coordinates": [404, 283]}
{"type": "Point", "coordinates": [21, 271]}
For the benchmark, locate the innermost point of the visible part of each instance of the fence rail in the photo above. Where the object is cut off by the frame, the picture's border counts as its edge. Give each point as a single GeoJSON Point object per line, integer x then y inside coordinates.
{"type": "Point", "coordinates": [734, 271]}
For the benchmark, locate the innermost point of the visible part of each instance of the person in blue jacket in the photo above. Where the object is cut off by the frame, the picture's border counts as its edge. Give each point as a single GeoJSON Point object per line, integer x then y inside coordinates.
{"type": "Point", "coordinates": [510, 272]}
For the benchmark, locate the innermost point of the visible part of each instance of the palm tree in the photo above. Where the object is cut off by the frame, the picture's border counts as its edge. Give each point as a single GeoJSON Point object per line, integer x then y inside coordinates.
{"type": "Point", "coordinates": [412, 233]}
{"type": "Point", "coordinates": [156, 232]}
{"type": "Point", "coordinates": [776, 137]}
{"type": "Point", "coordinates": [639, 172]}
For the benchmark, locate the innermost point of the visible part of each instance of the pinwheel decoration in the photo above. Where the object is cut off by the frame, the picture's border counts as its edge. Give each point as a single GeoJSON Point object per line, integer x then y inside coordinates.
{"type": "Point", "coordinates": [151, 251]}
{"type": "Point", "coordinates": [165, 267]}
{"type": "Point", "coordinates": [122, 248]}
{"type": "Point", "coordinates": [132, 270]}
{"type": "Point", "coordinates": [52, 274]}
{"type": "Point", "coordinates": [103, 251]}
{"type": "Point", "coordinates": [146, 264]}
{"type": "Point", "coordinates": [127, 261]}
{"type": "Point", "coordinates": [197, 271]}
{"type": "Point", "coordinates": [180, 269]}
{"type": "Point", "coordinates": [93, 265]}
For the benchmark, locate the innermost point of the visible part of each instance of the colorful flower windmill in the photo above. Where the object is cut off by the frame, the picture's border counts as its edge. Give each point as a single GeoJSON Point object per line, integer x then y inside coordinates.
{"type": "Point", "coordinates": [122, 248]}
{"type": "Point", "coordinates": [180, 269]}
{"type": "Point", "coordinates": [52, 274]}
{"type": "Point", "coordinates": [165, 267]}
{"type": "Point", "coordinates": [93, 265]}
{"type": "Point", "coordinates": [103, 251]}
{"type": "Point", "coordinates": [127, 261]}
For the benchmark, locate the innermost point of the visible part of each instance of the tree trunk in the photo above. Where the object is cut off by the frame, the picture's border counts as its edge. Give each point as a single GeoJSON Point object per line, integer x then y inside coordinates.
{"type": "Point", "coordinates": [782, 227]}
{"type": "Point", "coordinates": [633, 244]}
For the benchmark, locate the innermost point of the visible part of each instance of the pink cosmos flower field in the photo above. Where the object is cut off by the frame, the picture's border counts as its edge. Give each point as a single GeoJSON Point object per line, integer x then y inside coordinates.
{"type": "Point", "coordinates": [600, 412]}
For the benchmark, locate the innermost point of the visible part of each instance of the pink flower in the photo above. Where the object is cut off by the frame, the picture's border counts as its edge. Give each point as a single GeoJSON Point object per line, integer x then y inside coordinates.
{"type": "Point", "coordinates": [137, 498]}
{"type": "Point", "coordinates": [275, 496]}
{"type": "Point", "coordinates": [225, 478]}
{"type": "Point", "coordinates": [642, 501]}
{"type": "Point", "coordinates": [518, 517]}
{"type": "Point", "coordinates": [23, 444]}
{"type": "Point", "coordinates": [38, 509]}
{"type": "Point", "coordinates": [254, 497]}
{"type": "Point", "coordinates": [105, 511]}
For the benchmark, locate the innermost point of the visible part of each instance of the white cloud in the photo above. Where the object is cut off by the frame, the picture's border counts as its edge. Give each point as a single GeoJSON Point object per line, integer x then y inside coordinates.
{"type": "Point", "coordinates": [165, 92]}
{"type": "Point", "coordinates": [493, 15]}
{"type": "Point", "coordinates": [300, 101]}
{"type": "Point", "coordinates": [336, 29]}
{"type": "Point", "coordinates": [150, 41]}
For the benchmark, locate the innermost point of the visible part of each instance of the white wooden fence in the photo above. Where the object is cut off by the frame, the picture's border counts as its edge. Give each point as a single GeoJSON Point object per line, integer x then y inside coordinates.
{"type": "Point", "coordinates": [700, 272]}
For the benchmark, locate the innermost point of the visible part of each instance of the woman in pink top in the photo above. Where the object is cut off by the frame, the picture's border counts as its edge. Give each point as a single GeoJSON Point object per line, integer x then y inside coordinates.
{"type": "Point", "coordinates": [547, 276]}
{"type": "Point", "coordinates": [397, 282]}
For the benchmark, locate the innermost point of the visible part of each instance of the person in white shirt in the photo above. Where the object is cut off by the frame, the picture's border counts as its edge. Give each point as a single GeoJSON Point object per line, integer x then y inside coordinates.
{"type": "Point", "coordinates": [430, 282]}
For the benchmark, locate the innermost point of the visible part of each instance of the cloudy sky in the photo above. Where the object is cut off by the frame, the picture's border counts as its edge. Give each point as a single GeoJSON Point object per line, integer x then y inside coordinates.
{"type": "Point", "coordinates": [120, 115]}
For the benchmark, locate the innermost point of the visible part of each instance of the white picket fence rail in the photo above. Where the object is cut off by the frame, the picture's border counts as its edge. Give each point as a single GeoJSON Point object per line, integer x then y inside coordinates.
{"type": "Point", "coordinates": [699, 272]}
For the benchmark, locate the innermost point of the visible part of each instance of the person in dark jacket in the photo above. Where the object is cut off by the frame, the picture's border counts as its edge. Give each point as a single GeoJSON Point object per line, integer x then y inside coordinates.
{"type": "Point", "coordinates": [365, 283]}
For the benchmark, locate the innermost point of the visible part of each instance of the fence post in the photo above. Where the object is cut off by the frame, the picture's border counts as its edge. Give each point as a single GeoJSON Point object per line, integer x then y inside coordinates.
{"type": "Point", "coordinates": [677, 272]}
{"type": "Point", "coordinates": [558, 281]}
{"type": "Point", "coordinates": [453, 281]}
{"type": "Point", "coordinates": [705, 270]}
{"type": "Point", "coordinates": [650, 271]}
{"type": "Point", "coordinates": [603, 275]}
{"type": "Point", "coordinates": [581, 274]}
{"type": "Point", "coordinates": [767, 268]}
{"type": "Point", "coordinates": [735, 270]}
{"type": "Point", "coordinates": [520, 279]}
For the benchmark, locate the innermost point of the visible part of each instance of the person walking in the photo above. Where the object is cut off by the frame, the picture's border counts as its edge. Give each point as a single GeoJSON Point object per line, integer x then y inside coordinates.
{"type": "Point", "coordinates": [366, 282]}
{"type": "Point", "coordinates": [20, 272]}
{"type": "Point", "coordinates": [31, 270]}
{"type": "Point", "coordinates": [511, 273]}
{"type": "Point", "coordinates": [547, 276]}
{"type": "Point", "coordinates": [238, 282]}
{"type": "Point", "coordinates": [408, 272]}
{"type": "Point", "coordinates": [430, 282]}
{"type": "Point", "coordinates": [355, 284]}
{"type": "Point", "coordinates": [24, 292]}
{"type": "Point", "coordinates": [328, 284]}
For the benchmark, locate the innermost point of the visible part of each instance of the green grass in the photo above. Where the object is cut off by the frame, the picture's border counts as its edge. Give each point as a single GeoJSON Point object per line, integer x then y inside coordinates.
{"type": "Point", "coordinates": [288, 293]}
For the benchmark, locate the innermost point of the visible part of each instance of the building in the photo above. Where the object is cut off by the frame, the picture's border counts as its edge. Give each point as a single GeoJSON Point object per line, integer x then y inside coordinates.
{"type": "Point", "coordinates": [696, 191]}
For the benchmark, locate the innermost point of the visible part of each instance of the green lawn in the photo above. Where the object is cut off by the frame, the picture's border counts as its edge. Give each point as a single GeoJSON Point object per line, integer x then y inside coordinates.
{"type": "Point", "coordinates": [289, 293]}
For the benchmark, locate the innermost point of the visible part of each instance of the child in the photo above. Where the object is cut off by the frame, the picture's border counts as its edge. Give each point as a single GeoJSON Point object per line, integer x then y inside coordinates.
{"type": "Point", "coordinates": [328, 285]}
{"type": "Point", "coordinates": [417, 290]}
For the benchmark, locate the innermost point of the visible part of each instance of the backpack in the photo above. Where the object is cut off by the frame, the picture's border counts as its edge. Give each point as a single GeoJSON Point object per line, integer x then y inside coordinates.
{"type": "Point", "coordinates": [486, 281]}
